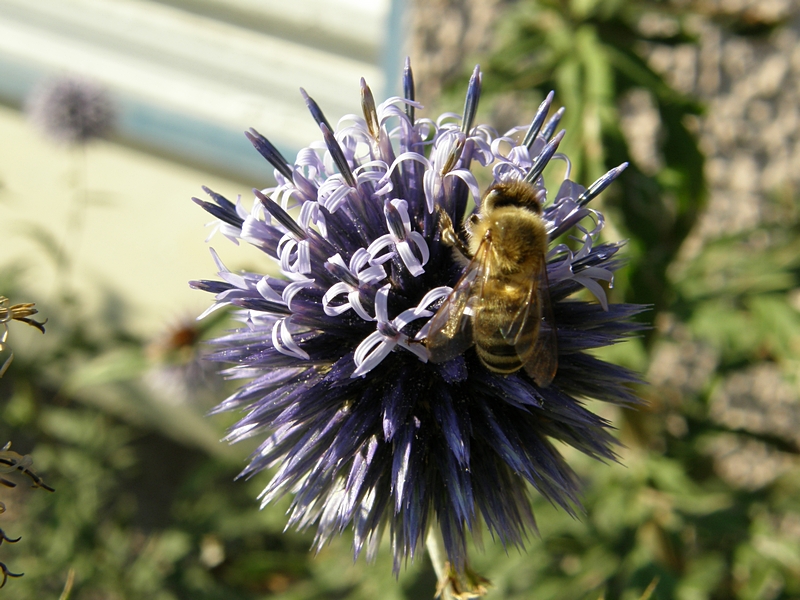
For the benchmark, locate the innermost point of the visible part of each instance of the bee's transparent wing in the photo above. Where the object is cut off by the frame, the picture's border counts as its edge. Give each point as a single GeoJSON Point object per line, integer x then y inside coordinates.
{"type": "Point", "coordinates": [543, 361]}
{"type": "Point", "coordinates": [450, 329]}
{"type": "Point", "coordinates": [517, 332]}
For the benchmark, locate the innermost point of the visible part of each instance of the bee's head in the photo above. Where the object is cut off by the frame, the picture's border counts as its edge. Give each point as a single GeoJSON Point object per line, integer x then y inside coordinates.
{"type": "Point", "coordinates": [513, 193]}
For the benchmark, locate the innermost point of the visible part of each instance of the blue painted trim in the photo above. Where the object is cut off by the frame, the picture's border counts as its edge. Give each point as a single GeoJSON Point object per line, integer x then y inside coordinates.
{"type": "Point", "coordinates": [186, 139]}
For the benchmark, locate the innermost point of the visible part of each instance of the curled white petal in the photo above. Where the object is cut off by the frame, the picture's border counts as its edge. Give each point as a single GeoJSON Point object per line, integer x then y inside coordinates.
{"type": "Point", "coordinates": [421, 245]}
{"type": "Point", "coordinates": [379, 244]}
{"type": "Point", "coordinates": [482, 151]}
{"type": "Point", "coordinates": [213, 308]}
{"type": "Point", "coordinates": [338, 260]}
{"type": "Point", "coordinates": [267, 292]}
{"type": "Point", "coordinates": [232, 278]}
{"type": "Point", "coordinates": [391, 107]}
{"type": "Point", "coordinates": [415, 156]}
{"type": "Point", "coordinates": [373, 274]}
{"type": "Point", "coordinates": [401, 244]}
{"type": "Point", "coordinates": [355, 302]}
{"type": "Point", "coordinates": [286, 246]}
{"type": "Point", "coordinates": [290, 290]}
{"type": "Point", "coordinates": [295, 257]}
{"type": "Point", "coordinates": [468, 178]}
{"type": "Point", "coordinates": [371, 171]}
{"type": "Point", "coordinates": [432, 296]}
{"type": "Point", "coordinates": [284, 343]}
{"type": "Point", "coordinates": [335, 290]}
{"type": "Point", "coordinates": [411, 262]}
{"type": "Point", "coordinates": [431, 185]}
{"type": "Point", "coordinates": [595, 288]}
{"type": "Point", "coordinates": [409, 315]}
{"type": "Point", "coordinates": [333, 193]}
{"type": "Point", "coordinates": [402, 208]}
{"type": "Point", "coordinates": [377, 345]}
{"type": "Point", "coordinates": [587, 277]}
{"type": "Point", "coordinates": [368, 274]}
{"type": "Point", "coordinates": [303, 264]}
{"type": "Point", "coordinates": [360, 258]}
{"type": "Point", "coordinates": [371, 352]}
{"type": "Point", "coordinates": [381, 304]}
{"type": "Point", "coordinates": [310, 213]}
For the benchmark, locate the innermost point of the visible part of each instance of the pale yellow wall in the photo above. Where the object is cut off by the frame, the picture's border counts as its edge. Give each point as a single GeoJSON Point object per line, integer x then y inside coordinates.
{"type": "Point", "coordinates": [146, 239]}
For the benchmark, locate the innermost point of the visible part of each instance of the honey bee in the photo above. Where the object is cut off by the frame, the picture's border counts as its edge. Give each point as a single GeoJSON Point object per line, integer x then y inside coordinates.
{"type": "Point", "coordinates": [501, 304]}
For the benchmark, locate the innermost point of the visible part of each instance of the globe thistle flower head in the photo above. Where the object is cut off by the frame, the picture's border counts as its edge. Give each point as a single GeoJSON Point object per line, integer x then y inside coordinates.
{"type": "Point", "coordinates": [71, 110]}
{"type": "Point", "coordinates": [365, 431]}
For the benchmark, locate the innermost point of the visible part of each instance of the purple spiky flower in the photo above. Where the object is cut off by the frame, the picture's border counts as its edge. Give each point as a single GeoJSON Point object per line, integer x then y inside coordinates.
{"type": "Point", "coordinates": [363, 429]}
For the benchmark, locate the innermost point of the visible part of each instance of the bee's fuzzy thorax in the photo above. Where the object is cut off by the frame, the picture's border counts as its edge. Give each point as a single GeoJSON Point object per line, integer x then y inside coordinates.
{"type": "Point", "coordinates": [518, 237]}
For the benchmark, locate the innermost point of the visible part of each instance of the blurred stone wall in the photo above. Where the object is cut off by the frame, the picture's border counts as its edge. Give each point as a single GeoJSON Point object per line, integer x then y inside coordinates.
{"type": "Point", "coordinates": [744, 66]}
{"type": "Point", "coordinates": [445, 33]}
{"type": "Point", "coordinates": [746, 69]}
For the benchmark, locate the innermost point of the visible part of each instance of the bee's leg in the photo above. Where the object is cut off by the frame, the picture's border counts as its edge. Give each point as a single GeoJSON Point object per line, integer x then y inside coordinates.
{"type": "Point", "coordinates": [449, 236]}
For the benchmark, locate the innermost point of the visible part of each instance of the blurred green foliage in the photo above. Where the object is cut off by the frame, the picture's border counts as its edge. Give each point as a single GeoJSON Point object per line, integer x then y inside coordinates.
{"type": "Point", "coordinates": [705, 502]}
{"type": "Point", "coordinates": [146, 505]}
{"type": "Point", "coordinates": [589, 52]}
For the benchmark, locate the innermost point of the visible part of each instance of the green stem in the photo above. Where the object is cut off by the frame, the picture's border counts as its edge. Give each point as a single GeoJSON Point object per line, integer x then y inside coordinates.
{"type": "Point", "coordinates": [436, 551]}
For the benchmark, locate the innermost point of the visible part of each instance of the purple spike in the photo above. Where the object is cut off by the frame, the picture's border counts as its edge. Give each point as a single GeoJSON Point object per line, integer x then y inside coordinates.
{"type": "Point", "coordinates": [394, 221]}
{"type": "Point", "coordinates": [338, 156]}
{"type": "Point", "coordinates": [270, 152]}
{"type": "Point", "coordinates": [370, 112]}
{"type": "Point", "coordinates": [219, 212]}
{"type": "Point", "coordinates": [408, 88]}
{"type": "Point", "coordinates": [601, 184]}
{"type": "Point", "coordinates": [452, 158]}
{"type": "Point", "coordinates": [538, 119]}
{"type": "Point", "coordinates": [215, 287]}
{"type": "Point", "coordinates": [341, 273]}
{"type": "Point", "coordinates": [224, 210]}
{"type": "Point", "coordinates": [284, 218]}
{"type": "Point", "coordinates": [541, 161]}
{"type": "Point", "coordinates": [552, 124]}
{"type": "Point", "coordinates": [316, 112]}
{"type": "Point", "coordinates": [471, 102]}
{"type": "Point", "coordinates": [261, 304]}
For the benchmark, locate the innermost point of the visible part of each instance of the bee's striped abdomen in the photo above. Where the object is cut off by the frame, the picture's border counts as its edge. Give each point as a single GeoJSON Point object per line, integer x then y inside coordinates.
{"type": "Point", "coordinates": [495, 316]}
